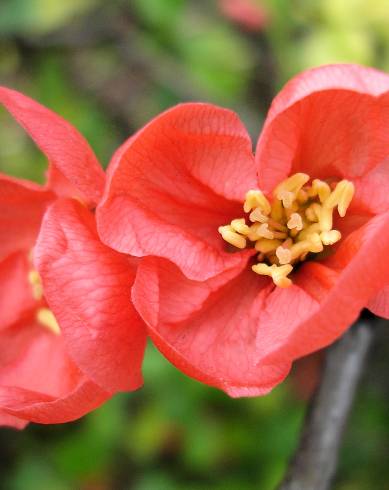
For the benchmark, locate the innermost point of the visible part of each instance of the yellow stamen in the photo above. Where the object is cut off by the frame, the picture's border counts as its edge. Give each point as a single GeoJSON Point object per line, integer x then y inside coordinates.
{"type": "Point", "coordinates": [277, 273]}
{"type": "Point", "coordinates": [239, 225]}
{"type": "Point", "coordinates": [325, 218]}
{"type": "Point", "coordinates": [287, 198]}
{"type": "Point", "coordinates": [257, 215]}
{"type": "Point", "coordinates": [230, 236]}
{"type": "Point", "coordinates": [341, 196]}
{"type": "Point", "coordinates": [46, 318]}
{"type": "Point", "coordinates": [256, 199]}
{"type": "Point", "coordinates": [277, 211]}
{"type": "Point", "coordinates": [295, 221]}
{"type": "Point", "coordinates": [330, 237]}
{"type": "Point", "coordinates": [321, 189]}
{"type": "Point", "coordinates": [263, 231]}
{"type": "Point", "coordinates": [36, 284]}
{"type": "Point", "coordinates": [284, 255]}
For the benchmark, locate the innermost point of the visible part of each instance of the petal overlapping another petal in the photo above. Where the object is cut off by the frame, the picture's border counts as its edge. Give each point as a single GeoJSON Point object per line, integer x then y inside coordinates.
{"type": "Point", "coordinates": [16, 298]}
{"type": "Point", "coordinates": [63, 145]}
{"type": "Point", "coordinates": [38, 381]}
{"type": "Point", "coordinates": [22, 205]}
{"type": "Point", "coordinates": [88, 287]}
{"type": "Point", "coordinates": [331, 121]}
{"type": "Point", "coordinates": [174, 183]}
{"type": "Point", "coordinates": [208, 329]}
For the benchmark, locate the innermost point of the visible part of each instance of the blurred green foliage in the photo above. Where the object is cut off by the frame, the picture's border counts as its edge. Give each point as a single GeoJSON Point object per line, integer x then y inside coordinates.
{"type": "Point", "coordinates": [108, 67]}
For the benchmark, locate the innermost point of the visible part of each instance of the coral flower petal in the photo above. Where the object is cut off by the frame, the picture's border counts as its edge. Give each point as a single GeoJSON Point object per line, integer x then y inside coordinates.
{"type": "Point", "coordinates": [208, 329]}
{"type": "Point", "coordinates": [38, 381]}
{"type": "Point", "coordinates": [7, 420]}
{"type": "Point", "coordinates": [174, 183]}
{"type": "Point", "coordinates": [88, 287]}
{"type": "Point", "coordinates": [63, 145]}
{"type": "Point", "coordinates": [328, 121]}
{"type": "Point", "coordinates": [379, 304]}
{"type": "Point", "coordinates": [327, 296]}
{"type": "Point", "coordinates": [16, 298]}
{"type": "Point", "coordinates": [22, 205]}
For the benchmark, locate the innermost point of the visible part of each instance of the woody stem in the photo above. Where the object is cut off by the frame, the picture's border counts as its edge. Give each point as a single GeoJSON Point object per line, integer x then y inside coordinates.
{"type": "Point", "coordinates": [314, 463]}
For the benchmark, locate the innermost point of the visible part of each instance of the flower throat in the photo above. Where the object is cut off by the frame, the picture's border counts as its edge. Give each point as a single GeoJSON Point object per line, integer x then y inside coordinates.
{"type": "Point", "coordinates": [297, 222]}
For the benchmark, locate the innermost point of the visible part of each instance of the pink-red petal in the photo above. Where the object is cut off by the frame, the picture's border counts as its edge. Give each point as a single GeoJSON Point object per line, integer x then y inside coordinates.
{"type": "Point", "coordinates": [38, 381]}
{"type": "Point", "coordinates": [7, 420]}
{"type": "Point", "coordinates": [88, 287]}
{"type": "Point", "coordinates": [174, 183]}
{"type": "Point", "coordinates": [208, 329]}
{"type": "Point", "coordinates": [22, 206]}
{"type": "Point", "coordinates": [331, 121]}
{"type": "Point", "coordinates": [379, 304]}
{"type": "Point", "coordinates": [16, 298]}
{"type": "Point", "coordinates": [327, 296]}
{"type": "Point", "coordinates": [64, 146]}
{"type": "Point", "coordinates": [45, 409]}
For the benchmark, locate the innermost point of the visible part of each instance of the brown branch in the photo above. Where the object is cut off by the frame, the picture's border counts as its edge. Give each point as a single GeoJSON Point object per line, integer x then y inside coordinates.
{"type": "Point", "coordinates": [314, 463]}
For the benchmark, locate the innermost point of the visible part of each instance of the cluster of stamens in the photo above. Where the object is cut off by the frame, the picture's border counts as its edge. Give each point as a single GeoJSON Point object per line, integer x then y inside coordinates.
{"type": "Point", "coordinates": [297, 222]}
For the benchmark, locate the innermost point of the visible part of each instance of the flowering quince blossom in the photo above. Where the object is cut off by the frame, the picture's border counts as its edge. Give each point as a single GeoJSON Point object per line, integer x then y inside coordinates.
{"type": "Point", "coordinates": [69, 336]}
{"type": "Point", "coordinates": [250, 14]}
{"type": "Point", "coordinates": [253, 260]}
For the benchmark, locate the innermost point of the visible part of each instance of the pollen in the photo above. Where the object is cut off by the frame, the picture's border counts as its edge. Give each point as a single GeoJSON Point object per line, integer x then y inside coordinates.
{"type": "Point", "coordinates": [46, 318]}
{"type": "Point", "coordinates": [292, 226]}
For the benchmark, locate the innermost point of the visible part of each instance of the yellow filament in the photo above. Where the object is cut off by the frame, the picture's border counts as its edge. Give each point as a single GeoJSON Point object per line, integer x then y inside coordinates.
{"type": "Point", "coordinates": [46, 318]}
{"type": "Point", "coordinates": [298, 222]}
{"type": "Point", "coordinates": [341, 196]}
{"type": "Point", "coordinates": [266, 246]}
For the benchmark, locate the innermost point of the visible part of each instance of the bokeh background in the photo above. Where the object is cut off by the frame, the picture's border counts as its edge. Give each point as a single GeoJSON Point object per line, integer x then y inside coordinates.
{"type": "Point", "coordinates": [108, 67]}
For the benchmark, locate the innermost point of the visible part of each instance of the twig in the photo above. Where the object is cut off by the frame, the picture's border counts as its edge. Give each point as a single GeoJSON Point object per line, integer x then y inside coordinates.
{"type": "Point", "coordinates": [314, 463]}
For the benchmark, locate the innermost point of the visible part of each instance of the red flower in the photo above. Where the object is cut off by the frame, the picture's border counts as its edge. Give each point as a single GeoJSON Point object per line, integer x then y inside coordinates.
{"type": "Point", "coordinates": [55, 372]}
{"type": "Point", "coordinates": [248, 13]}
{"type": "Point", "coordinates": [185, 176]}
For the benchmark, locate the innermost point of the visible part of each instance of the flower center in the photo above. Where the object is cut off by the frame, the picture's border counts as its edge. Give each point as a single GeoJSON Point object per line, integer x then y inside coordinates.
{"type": "Point", "coordinates": [298, 221]}
{"type": "Point", "coordinates": [44, 316]}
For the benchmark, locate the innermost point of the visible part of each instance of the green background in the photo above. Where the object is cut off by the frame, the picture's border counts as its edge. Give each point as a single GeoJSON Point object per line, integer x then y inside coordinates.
{"type": "Point", "coordinates": [108, 67]}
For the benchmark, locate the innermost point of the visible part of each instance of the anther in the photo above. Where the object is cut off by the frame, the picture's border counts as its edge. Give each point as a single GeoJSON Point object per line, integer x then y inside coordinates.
{"type": "Point", "coordinates": [287, 198]}
{"type": "Point", "coordinates": [263, 231]}
{"type": "Point", "coordinates": [46, 318]}
{"type": "Point", "coordinates": [321, 189]}
{"type": "Point", "coordinates": [239, 225]}
{"type": "Point", "coordinates": [277, 273]}
{"type": "Point", "coordinates": [341, 196]}
{"type": "Point", "coordinates": [256, 199]}
{"type": "Point", "coordinates": [295, 221]}
{"type": "Point", "coordinates": [284, 255]}
{"type": "Point", "coordinates": [330, 237]}
{"type": "Point", "coordinates": [231, 237]}
{"type": "Point", "coordinates": [257, 215]}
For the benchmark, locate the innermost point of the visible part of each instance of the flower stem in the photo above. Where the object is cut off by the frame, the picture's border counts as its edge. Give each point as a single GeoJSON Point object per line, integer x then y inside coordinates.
{"type": "Point", "coordinates": [314, 463]}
